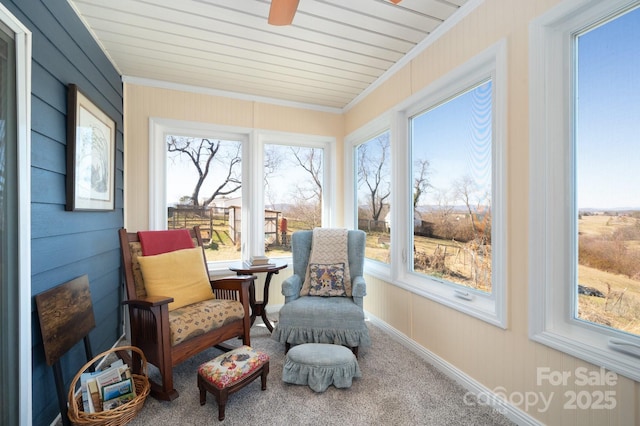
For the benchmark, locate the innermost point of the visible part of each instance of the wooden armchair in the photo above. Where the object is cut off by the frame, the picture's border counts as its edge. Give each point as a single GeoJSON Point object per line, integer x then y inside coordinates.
{"type": "Point", "coordinates": [159, 331]}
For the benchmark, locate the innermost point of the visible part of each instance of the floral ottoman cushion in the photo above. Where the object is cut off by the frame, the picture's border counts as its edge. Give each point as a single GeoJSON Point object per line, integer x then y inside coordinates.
{"type": "Point", "coordinates": [233, 366]}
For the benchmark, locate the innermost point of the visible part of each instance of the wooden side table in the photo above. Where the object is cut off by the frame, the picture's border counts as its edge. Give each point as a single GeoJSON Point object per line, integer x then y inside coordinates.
{"type": "Point", "coordinates": [259, 308]}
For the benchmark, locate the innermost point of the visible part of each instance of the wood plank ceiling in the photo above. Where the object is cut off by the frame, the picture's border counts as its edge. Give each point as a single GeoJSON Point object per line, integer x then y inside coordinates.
{"type": "Point", "coordinates": [333, 51]}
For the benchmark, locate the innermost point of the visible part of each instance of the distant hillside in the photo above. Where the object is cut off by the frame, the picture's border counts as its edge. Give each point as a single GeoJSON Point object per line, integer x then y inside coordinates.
{"type": "Point", "coordinates": [618, 210]}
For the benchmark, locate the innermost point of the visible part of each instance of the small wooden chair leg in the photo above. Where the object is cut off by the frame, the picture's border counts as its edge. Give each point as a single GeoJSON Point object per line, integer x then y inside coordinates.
{"type": "Point", "coordinates": [203, 392]}
{"type": "Point", "coordinates": [222, 403]}
{"type": "Point", "coordinates": [263, 377]}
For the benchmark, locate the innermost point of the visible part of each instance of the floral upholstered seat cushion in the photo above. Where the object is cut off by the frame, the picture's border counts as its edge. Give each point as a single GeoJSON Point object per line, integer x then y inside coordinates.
{"type": "Point", "coordinates": [199, 318]}
{"type": "Point", "coordinates": [233, 366]}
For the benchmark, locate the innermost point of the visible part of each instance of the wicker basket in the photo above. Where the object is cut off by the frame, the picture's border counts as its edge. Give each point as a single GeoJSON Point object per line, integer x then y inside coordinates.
{"type": "Point", "coordinates": [120, 415]}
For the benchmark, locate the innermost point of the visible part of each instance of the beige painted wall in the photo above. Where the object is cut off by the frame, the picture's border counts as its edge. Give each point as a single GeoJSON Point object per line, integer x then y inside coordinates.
{"type": "Point", "coordinates": [502, 360]}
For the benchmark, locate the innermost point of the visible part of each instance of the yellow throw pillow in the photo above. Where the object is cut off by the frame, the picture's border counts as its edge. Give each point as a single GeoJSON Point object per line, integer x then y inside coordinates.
{"type": "Point", "coordinates": [179, 274]}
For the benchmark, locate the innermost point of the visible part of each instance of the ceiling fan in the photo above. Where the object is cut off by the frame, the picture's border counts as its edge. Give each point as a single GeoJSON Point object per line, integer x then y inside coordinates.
{"type": "Point", "coordinates": [282, 11]}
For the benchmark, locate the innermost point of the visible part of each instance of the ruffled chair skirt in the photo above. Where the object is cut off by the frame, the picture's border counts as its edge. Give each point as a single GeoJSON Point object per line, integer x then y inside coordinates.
{"type": "Point", "coordinates": [320, 366]}
{"type": "Point", "coordinates": [313, 319]}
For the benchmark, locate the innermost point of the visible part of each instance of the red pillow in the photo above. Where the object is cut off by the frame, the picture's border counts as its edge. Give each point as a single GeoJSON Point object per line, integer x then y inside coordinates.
{"type": "Point", "coordinates": [158, 242]}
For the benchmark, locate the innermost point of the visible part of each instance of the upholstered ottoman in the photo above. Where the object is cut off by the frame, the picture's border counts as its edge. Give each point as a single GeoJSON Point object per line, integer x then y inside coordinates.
{"type": "Point", "coordinates": [320, 365]}
{"type": "Point", "coordinates": [230, 372]}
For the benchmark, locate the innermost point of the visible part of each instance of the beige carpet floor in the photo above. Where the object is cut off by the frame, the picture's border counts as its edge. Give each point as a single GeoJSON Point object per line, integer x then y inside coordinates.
{"type": "Point", "coordinates": [397, 387]}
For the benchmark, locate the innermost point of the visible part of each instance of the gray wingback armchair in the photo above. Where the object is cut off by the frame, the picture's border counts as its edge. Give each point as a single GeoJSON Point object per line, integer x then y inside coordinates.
{"type": "Point", "coordinates": [321, 319]}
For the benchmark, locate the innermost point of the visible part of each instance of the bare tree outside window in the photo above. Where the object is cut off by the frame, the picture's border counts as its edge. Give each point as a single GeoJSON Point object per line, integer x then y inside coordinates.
{"type": "Point", "coordinates": [420, 181]}
{"type": "Point", "coordinates": [293, 182]}
{"type": "Point", "coordinates": [452, 170]}
{"type": "Point", "coordinates": [204, 188]}
{"type": "Point", "coordinates": [273, 159]}
{"type": "Point", "coordinates": [374, 192]}
{"type": "Point", "coordinates": [373, 174]}
{"type": "Point", "coordinates": [308, 191]}
{"type": "Point", "coordinates": [204, 154]}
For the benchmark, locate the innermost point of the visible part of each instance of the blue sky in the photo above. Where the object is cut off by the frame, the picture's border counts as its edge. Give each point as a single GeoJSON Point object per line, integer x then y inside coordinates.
{"type": "Point", "coordinates": [608, 115]}
{"type": "Point", "coordinates": [455, 137]}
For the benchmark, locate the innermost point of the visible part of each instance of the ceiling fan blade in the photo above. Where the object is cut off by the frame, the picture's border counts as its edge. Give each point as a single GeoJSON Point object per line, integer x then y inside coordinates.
{"type": "Point", "coordinates": [282, 11]}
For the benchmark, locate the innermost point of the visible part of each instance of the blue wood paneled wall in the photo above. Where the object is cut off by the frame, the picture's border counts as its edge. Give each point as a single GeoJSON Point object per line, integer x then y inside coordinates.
{"type": "Point", "coordinates": [65, 244]}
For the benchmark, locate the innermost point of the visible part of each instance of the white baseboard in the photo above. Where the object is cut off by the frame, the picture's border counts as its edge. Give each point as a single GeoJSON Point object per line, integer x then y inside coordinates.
{"type": "Point", "coordinates": [512, 412]}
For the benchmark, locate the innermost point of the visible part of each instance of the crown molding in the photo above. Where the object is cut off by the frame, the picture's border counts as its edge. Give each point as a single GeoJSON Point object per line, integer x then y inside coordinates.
{"type": "Point", "coordinates": [226, 94]}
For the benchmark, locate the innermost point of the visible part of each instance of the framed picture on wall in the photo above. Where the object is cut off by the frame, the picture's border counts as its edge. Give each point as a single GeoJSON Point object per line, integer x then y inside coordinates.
{"type": "Point", "coordinates": [91, 151]}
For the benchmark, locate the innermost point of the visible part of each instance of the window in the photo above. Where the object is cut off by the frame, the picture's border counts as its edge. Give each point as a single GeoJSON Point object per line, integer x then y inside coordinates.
{"type": "Point", "coordinates": [584, 273]}
{"type": "Point", "coordinates": [607, 178]}
{"type": "Point", "coordinates": [218, 177]}
{"type": "Point", "coordinates": [448, 217]}
{"type": "Point", "coordinates": [373, 170]}
{"type": "Point", "coordinates": [204, 188]}
{"type": "Point", "coordinates": [455, 246]}
{"type": "Point", "coordinates": [451, 189]}
{"type": "Point", "coordinates": [370, 181]}
{"type": "Point", "coordinates": [293, 191]}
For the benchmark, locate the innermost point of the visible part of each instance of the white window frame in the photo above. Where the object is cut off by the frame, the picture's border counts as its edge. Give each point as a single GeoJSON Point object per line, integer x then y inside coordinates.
{"type": "Point", "coordinates": [492, 308]}
{"type": "Point", "coordinates": [253, 141]}
{"type": "Point", "coordinates": [352, 142]}
{"type": "Point", "coordinates": [326, 143]}
{"type": "Point", "coordinates": [23, 97]}
{"type": "Point", "coordinates": [23, 43]}
{"type": "Point", "coordinates": [553, 218]}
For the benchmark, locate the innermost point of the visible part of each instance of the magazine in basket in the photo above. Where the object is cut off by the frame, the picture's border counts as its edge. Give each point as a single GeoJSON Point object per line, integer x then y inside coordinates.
{"type": "Point", "coordinates": [107, 389]}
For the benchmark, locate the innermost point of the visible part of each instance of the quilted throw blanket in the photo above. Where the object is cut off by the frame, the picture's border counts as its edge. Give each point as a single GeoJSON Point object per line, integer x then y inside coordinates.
{"type": "Point", "coordinates": [328, 269]}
